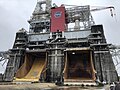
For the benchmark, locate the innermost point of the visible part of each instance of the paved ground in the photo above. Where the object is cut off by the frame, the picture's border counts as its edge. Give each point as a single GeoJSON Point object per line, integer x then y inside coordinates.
{"type": "Point", "coordinates": [48, 86]}
{"type": "Point", "coordinates": [35, 86]}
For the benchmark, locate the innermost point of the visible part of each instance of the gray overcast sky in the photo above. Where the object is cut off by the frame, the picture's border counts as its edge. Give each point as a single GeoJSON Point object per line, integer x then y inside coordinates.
{"type": "Point", "coordinates": [15, 13]}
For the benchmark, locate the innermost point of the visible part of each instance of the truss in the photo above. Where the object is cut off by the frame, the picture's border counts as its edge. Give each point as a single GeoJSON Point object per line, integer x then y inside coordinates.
{"type": "Point", "coordinates": [115, 52]}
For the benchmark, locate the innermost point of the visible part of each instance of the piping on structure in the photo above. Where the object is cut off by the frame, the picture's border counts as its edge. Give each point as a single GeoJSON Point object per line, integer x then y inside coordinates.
{"type": "Point", "coordinates": [54, 52]}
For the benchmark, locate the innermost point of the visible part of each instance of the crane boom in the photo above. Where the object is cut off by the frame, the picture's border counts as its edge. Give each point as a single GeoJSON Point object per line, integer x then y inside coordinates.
{"type": "Point", "coordinates": [102, 8]}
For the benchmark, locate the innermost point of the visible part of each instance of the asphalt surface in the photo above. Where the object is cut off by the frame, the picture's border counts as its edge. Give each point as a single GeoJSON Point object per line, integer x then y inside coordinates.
{"type": "Point", "coordinates": [48, 86]}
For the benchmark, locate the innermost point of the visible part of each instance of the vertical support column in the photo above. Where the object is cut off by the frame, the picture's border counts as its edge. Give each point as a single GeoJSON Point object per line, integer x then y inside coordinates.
{"type": "Point", "coordinates": [65, 69]}
{"type": "Point", "coordinates": [93, 70]}
{"type": "Point", "coordinates": [56, 58]}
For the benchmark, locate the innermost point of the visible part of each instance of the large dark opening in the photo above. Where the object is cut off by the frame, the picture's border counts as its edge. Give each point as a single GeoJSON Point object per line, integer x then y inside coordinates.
{"type": "Point", "coordinates": [79, 65]}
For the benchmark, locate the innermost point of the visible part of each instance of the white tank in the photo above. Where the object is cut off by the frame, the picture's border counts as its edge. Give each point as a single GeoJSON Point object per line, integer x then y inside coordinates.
{"type": "Point", "coordinates": [77, 25]}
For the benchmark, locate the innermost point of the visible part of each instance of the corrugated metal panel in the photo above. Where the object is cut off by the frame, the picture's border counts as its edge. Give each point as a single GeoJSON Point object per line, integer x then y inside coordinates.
{"type": "Point", "coordinates": [38, 37]}
{"type": "Point", "coordinates": [77, 34]}
{"type": "Point", "coordinates": [68, 35]}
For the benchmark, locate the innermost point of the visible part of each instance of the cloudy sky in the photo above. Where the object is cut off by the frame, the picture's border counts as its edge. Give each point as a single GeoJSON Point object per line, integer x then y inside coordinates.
{"type": "Point", "coordinates": [15, 13]}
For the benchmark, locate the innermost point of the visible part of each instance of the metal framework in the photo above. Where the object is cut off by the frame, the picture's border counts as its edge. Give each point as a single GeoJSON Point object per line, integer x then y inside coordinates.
{"type": "Point", "coordinates": [81, 14]}
{"type": "Point", "coordinates": [85, 38]}
{"type": "Point", "coordinates": [115, 51]}
{"type": "Point", "coordinates": [40, 21]}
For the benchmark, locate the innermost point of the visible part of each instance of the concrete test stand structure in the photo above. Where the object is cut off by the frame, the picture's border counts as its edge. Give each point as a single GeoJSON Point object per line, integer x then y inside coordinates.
{"type": "Point", "coordinates": [54, 52]}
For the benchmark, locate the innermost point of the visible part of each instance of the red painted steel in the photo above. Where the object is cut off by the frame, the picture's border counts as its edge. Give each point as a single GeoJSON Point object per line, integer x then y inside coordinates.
{"type": "Point", "coordinates": [58, 19]}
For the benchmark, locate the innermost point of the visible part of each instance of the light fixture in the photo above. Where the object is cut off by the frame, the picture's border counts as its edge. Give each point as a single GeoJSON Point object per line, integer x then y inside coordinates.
{"type": "Point", "coordinates": [73, 52]}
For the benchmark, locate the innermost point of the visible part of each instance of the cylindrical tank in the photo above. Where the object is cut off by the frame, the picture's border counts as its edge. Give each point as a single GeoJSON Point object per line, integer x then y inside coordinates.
{"type": "Point", "coordinates": [77, 25]}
